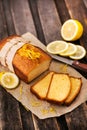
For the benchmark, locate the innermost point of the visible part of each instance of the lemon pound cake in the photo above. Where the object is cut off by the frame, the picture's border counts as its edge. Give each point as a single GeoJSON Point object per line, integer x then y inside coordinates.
{"type": "Point", "coordinates": [76, 84]}
{"type": "Point", "coordinates": [23, 58]}
{"type": "Point", "coordinates": [40, 89]}
{"type": "Point", "coordinates": [59, 88]}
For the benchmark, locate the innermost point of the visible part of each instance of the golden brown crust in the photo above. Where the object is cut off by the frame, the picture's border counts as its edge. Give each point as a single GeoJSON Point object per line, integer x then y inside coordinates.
{"type": "Point", "coordinates": [69, 99]}
{"type": "Point", "coordinates": [25, 65]}
{"type": "Point", "coordinates": [29, 64]}
{"type": "Point", "coordinates": [36, 93]}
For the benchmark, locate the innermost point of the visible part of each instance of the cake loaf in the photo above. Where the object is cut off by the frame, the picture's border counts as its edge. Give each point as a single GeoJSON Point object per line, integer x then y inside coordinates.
{"type": "Point", "coordinates": [23, 58]}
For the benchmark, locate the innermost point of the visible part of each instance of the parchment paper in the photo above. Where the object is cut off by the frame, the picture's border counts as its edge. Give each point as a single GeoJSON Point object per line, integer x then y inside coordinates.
{"type": "Point", "coordinates": [43, 109]}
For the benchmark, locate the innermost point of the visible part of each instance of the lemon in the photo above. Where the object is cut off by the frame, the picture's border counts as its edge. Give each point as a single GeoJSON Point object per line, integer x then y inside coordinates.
{"type": "Point", "coordinates": [1, 73]}
{"type": "Point", "coordinates": [9, 80]}
{"type": "Point", "coordinates": [57, 47]}
{"type": "Point", "coordinates": [70, 51]}
{"type": "Point", "coordinates": [71, 30]}
{"type": "Point", "coordinates": [80, 53]}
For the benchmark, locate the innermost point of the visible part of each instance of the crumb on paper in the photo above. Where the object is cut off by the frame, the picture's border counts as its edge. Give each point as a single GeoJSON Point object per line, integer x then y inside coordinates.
{"type": "Point", "coordinates": [44, 111]}
{"type": "Point", "coordinates": [35, 103]}
{"type": "Point", "coordinates": [48, 110]}
{"type": "Point", "coordinates": [63, 68]}
{"type": "Point", "coordinates": [52, 110]}
{"type": "Point", "coordinates": [20, 92]}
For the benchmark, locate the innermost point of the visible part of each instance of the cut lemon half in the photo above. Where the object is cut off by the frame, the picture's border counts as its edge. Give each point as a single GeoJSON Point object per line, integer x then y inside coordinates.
{"type": "Point", "coordinates": [71, 30]}
{"type": "Point", "coordinates": [80, 53]}
{"type": "Point", "coordinates": [70, 51]}
{"type": "Point", "coordinates": [1, 74]}
{"type": "Point", "coordinates": [9, 80]}
{"type": "Point", "coordinates": [57, 47]}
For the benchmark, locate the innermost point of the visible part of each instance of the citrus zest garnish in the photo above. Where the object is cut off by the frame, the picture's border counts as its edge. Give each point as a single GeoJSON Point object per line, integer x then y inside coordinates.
{"type": "Point", "coordinates": [35, 104]}
{"type": "Point", "coordinates": [29, 51]}
{"type": "Point", "coordinates": [52, 110]}
{"type": "Point", "coordinates": [20, 92]}
{"type": "Point", "coordinates": [44, 111]}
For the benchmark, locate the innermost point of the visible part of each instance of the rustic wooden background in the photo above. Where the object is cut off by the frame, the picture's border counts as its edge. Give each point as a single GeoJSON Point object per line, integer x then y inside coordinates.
{"type": "Point", "coordinates": [44, 19]}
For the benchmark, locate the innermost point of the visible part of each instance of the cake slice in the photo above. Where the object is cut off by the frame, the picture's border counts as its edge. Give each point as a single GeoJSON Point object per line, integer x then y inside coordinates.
{"type": "Point", "coordinates": [59, 88]}
{"type": "Point", "coordinates": [76, 84]}
{"type": "Point", "coordinates": [41, 87]}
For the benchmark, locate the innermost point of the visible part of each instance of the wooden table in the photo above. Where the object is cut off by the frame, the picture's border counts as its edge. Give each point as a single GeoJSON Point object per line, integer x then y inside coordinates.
{"type": "Point", "coordinates": [43, 18]}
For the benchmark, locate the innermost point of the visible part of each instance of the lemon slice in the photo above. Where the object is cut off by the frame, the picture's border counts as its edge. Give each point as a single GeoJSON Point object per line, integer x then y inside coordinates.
{"type": "Point", "coordinates": [1, 73]}
{"type": "Point", "coordinates": [57, 47]}
{"type": "Point", "coordinates": [70, 51]}
{"type": "Point", "coordinates": [71, 30]}
{"type": "Point", "coordinates": [9, 80]}
{"type": "Point", "coordinates": [80, 53]}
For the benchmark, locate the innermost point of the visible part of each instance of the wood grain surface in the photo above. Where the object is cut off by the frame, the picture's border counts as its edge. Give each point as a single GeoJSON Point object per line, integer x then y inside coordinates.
{"type": "Point", "coordinates": [44, 19]}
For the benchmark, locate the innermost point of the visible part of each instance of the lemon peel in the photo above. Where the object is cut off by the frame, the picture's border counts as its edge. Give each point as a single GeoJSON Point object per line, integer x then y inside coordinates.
{"type": "Point", "coordinates": [80, 53]}
{"type": "Point", "coordinates": [9, 80]}
{"type": "Point", "coordinates": [70, 51]}
{"type": "Point", "coordinates": [57, 47]}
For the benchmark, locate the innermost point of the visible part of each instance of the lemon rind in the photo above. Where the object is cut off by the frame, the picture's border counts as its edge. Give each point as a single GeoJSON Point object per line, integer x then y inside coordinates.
{"type": "Point", "coordinates": [71, 53]}
{"type": "Point", "coordinates": [8, 86]}
{"type": "Point", "coordinates": [82, 54]}
{"type": "Point", "coordinates": [56, 52]}
{"type": "Point", "coordinates": [75, 36]}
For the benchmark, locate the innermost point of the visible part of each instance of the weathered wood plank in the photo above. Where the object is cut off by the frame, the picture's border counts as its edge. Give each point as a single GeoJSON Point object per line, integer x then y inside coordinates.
{"type": "Point", "coordinates": [62, 122]}
{"type": "Point", "coordinates": [49, 17]}
{"type": "Point", "coordinates": [8, 16]}
{"type": "Point", "coordinates": [3, 28]}
{"type": "Point", "coordinates": [36, 18]}
{"type": "Point", "coordinates": [85, 1]}
{"type": "Point", "coordinates": [1, 109]}
{"type": "Point", "coordinates": [27, 121]}
{"type": "Point", "coordinates": [62, 10]}
{"type": "Point", "coordinates": [22, 17]}
{"type": "Point", "coordinates": [10, 117]}
{"type": "Point", "coordinates": [78, 118]}
{"type": "Point", "coordinates": [46, 124]}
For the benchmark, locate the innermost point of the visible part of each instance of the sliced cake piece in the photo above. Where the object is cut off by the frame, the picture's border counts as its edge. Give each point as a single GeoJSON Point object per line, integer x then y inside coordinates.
{"type": "Point", "coordinates": [76, 84]}
{"type": "Point", "coordinates": [41, 87]}
{"type": "Point", "coordinates": [59, 88]}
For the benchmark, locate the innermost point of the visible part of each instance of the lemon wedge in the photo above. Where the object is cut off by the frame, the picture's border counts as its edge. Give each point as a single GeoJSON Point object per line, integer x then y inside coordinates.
{"type": "Point", "coordinates": [57, 47]}
{"type": "Point", "coordinates": [70, 51]}
{"type": "Point", "coordinates": [80, 53]}
{"type": "Point", "coordinates": [71, 30]}
{"type": "Point", "coordinates": [9, 80]}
